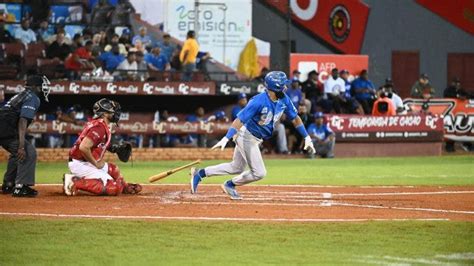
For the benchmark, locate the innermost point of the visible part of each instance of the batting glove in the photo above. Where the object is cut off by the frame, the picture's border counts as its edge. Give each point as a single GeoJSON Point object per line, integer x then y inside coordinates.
{"type": "Point", "coordinates": [222, 143]}
{"type": "Point", "coordinates": [308, 145]}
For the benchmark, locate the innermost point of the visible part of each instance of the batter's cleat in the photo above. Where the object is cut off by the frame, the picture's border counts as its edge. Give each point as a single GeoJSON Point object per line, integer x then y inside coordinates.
{"type": "Point", "coordinates": [6, 189]}
{"type": "Point", "coordinates": [195, 180]}
{"type": "Point", "coordinates": [68, 185]}
{"type": "Point", "coordinates": [24, 191]}
{"type": "Point", "coordinates": [229, 188]}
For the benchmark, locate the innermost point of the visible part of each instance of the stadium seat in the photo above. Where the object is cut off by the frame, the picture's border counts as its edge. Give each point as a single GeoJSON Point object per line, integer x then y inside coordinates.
{"type": "Point", "coordinates": [32, 53]}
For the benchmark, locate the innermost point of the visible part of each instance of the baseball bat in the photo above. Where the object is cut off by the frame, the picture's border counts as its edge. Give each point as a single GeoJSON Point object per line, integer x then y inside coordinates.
{"type": "Point", "coordinates": [162, 175]}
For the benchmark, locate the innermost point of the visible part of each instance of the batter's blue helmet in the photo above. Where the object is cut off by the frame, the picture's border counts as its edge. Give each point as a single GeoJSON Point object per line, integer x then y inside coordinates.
{"type": "Point", "coordinates": [276, 81]}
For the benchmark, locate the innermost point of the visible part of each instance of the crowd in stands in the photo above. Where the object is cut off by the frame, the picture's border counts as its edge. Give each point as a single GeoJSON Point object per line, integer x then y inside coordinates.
{"type": "Point", "coordinates": [106, 47]}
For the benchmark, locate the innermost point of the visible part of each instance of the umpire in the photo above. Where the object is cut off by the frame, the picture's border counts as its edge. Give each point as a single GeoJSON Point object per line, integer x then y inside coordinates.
{"type": "Point", "coordinates": [15, 117]}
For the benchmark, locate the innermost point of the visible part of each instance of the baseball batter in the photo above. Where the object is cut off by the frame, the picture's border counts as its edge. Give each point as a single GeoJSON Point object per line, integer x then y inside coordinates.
{"type": "Point", "coordinates": [253, 124]}
{"type": "Point", "coordinates": [89, 171]}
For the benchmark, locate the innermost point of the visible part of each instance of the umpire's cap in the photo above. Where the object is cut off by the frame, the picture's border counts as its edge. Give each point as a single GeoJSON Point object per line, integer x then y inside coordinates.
{"type": "Point", "coordinates": [34, 81]}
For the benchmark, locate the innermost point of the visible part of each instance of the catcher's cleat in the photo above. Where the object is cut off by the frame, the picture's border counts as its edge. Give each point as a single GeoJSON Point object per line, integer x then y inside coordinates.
{"type": "Point", "coordinates": [132, 189]}
{"type": "Point", "coordinates": [195, 179]}
{"type": "Point", "coordinates": [68, 185]}
{"type": "Point", "coordinates": [229, 188]}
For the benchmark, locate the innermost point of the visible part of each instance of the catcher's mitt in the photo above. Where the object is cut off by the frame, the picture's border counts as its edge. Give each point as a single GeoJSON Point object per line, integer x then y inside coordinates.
{"type": "Point", "coordinates": [123, 150]}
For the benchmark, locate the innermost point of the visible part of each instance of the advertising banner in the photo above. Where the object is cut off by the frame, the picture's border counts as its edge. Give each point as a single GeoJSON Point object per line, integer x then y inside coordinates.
{"type": "Point", "coordinates": [237, 87]}
{"type": "Point", "coordinates": [223, 29]}
{"type": "Point", "coordinates": [411, 128]}
{"type": "Point", "coordinates": [458, 115]}
{"type": "Point", "coordinates": [323, 63]}
{"type": "Point", "coordinates": [339, 23]}
{"type": "Point", "coordinates": [120, 88]}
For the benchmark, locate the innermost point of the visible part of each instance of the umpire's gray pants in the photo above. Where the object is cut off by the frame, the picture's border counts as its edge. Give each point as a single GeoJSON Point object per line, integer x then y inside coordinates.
{"type": "Point", "coordinates": [246, 153]}
{"type": "Point", "coordinates": [19, 172]}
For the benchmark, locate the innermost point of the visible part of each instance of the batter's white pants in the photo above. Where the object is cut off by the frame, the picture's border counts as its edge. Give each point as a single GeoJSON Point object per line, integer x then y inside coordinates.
{"type": "Point", "coordinates": [246, 153]}
{"type": "Point", "coordinates": [89, 171]}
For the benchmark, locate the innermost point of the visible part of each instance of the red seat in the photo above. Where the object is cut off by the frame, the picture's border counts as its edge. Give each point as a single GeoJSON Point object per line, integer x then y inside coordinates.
{"type": "Point", "coordinates": [32, 53]}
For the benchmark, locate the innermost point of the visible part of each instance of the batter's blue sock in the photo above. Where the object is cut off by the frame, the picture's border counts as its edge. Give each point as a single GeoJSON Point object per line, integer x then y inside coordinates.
{"type": "Point", "coordinates": [230, 184]}
{"type": "Point", "coordinates": [202, 173]}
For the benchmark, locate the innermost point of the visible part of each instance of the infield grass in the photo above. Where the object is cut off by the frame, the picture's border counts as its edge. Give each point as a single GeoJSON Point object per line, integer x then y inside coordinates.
{"type": "Point", "coordinates": [445, 170]}
{"type": "Point", "coordinates": [99, 242]}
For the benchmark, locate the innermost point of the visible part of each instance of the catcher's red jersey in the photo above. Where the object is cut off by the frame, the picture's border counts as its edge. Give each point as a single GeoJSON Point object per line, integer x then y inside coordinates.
{"type": "Point", "coordinates": [99, 133]}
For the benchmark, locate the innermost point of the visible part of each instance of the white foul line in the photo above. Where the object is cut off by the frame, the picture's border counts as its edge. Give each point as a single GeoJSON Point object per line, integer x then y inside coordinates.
{"type": "Point", "coordinates": [238, 219]}
{"type": "Point", "coordinates": [399, 208]}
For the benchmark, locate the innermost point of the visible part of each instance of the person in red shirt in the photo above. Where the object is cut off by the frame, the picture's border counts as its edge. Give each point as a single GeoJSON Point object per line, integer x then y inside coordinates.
{"type": "Point", "coordinates": [89, 171]}
{"type": "Point", "coordinates": [80, 60]}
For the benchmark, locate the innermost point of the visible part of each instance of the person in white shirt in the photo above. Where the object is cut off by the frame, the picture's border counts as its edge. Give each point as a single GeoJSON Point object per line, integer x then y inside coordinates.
{"type": "Point", "coordinates": [24, 34]}
{"type": "Point", "coordinates": [128, 69]}
{"type": "Point", "coordinates": [388, 89]}
{"type": "Point", "coordinates": [334, 89]}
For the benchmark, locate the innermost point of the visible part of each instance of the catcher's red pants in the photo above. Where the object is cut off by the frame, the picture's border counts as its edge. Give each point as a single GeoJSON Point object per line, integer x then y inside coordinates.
{"type": "Point", "coordinates": [96, 185]}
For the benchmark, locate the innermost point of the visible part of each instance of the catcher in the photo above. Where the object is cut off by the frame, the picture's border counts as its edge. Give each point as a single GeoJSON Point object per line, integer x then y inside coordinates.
{"type": "Point", "coordinates": [89, 172]}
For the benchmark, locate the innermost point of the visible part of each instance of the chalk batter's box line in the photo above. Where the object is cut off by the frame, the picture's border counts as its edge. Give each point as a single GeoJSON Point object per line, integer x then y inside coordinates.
{"type": "Point", "coordinates": [203, 218]}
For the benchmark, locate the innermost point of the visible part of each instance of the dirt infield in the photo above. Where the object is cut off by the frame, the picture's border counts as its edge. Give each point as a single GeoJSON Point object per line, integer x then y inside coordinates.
{"type": "Point", "coordinates": [261, 203]}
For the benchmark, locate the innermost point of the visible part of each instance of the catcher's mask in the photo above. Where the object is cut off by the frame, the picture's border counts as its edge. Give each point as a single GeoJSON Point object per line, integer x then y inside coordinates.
{"type": "Point", "coordinates": [36, 81]}
{"type": "Point", "coordinates": [105, 105]}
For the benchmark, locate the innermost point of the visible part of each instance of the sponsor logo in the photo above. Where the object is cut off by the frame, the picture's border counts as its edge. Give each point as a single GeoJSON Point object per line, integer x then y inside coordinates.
{"type": "Point", "coordinates": [59, 127]}
{"type": "Point", "coordinates": [112, 88]}
{"type": "Point", "coordinates": [38, 127]}
{"type": "Point", "coordinates": [339, 23]}
{"type": "Point", "coordinates": [229, 88]}
{"type": "Point", "coordinates": [136, 127]}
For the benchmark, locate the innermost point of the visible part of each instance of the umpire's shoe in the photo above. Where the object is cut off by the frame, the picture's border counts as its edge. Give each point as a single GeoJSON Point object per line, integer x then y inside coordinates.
{"type": "Point", "coordinates": [6, 189]}
{"type": "Point", "coordinates": [24, 191]}
{"type": "Point", "coordinates": [195, 180]}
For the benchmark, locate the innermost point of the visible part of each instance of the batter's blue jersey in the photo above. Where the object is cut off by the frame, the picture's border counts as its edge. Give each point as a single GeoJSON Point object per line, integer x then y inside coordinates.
{"type": "Point", "coordinates": [261, 114]}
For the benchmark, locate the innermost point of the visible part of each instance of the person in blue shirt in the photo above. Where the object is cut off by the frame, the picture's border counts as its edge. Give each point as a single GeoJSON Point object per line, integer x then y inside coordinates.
{"type": "Point", "coordinates": [15, 117]}
{"type": "Point", "coordinates": [351, 105]}
{"type": "Point", "coordinates": [364, 91]}
{"type": "Point", "coordinates": [295, 93]}
{"type": "Point", "coordinates": [241, 103]}
{"type": "Point", "coordinates": [143, 37]}
{"type": "Point", "coordinates": [322, 136]}
{"type": "Point", "coordinates": [157, 61]}
{"type": "Point", "coordinates": [112, 59]}
{"type": "Point", "coordinates": [253, 124]}
{"type": "Point", "coordinates": [167, 48]}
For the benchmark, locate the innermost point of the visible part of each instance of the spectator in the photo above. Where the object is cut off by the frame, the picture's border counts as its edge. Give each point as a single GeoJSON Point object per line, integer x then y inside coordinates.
{"type": "Point", "coordinates": [351, 105]}
{"type": "Point", "coordinates": [219, 117]}
{"type": "Point", "coordinates": [121, 14]}
{"type": "Point", "coordinates": [241, 103]}
{"type": "Point", "coordinates": [80, 60]}
{"type": "Point", "coordinates": [76, 41]}
{"type": "Point", "coordinates": [86, 36]}
{"type": "Point", "coordinates": [24, 34]}
{"type": "Point", "coordinates": [157, 61]}
{"type": "Point", "coordinates": [334, 90]}
{"type": "Point", "coordinates": [422, 88]}
{"type": "Point", "coordinates": [201, 60]}
{"type": "Point", "coordinates": [44, 32]}
{"type": "Point", "coordinates": [295, 93]}
{"type": "Point", "coordinates": [126, 38]}
{"type": "Point", "coordinates": [323, 137]}
{"type": "Point", "coordinates": [127, 69]}
{"type": "Point", "coordinates": [455, 90]}
{"type": "Point", "coordinates": [388, 90]}
{"type": "Point", "coordinates": [194, 140]}
{"type": "Point", "coordinates": [112, 59]}
{"type": "Point", "coordinates": [296, 75]}
{"type": "Point", "coordinates": [139, 47]}
{"type": "Point", "coordinates": [165, 140]}
{"type": "Point", "coordinates": [188, 56]}
{"type": "Point", "coordinates": [96, 45]}
{"type": "Point", "coordinates": [311, 90]}
{"type": "Point", "coordinates": [383, 106]}
{"type": "Point", "coordinates": [141, 67]}
{"type": "Point", "coordinates": [5, 35]}
{"type": "Point", "coordinates": [364, 91]}
{"type": "Point", "coordinates": [58, 50]}
{"type": "Point", "coordinates": [279, 132]}
{"type": "Point", "coordinates": [295, 141]}
{"type": "Point", "coordinates": [100, 17]}
{"type": "Point", "coordinates": [142, 37]}
{"type": "Point", "coordinates": [175, 62]}
{"type": "Point", "coordinates": [55, 140]}
{"type": "Point", "coordinates": [115, 41]}
{"type": "Point", "coordinates": [167, 47]}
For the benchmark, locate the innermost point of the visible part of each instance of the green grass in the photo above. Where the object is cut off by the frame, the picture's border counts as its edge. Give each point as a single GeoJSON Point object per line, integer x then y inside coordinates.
{"type": "Point", "coordinates": [189, 243]}
{"type": "Point", "coordinates": [446, 170]}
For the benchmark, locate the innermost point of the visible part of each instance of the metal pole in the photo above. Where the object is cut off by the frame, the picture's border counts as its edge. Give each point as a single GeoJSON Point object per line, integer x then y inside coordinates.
{"type": "Point", "coordinates": [224, 8]}
{"type": "Point", "coordinates": [288, 37]}
{"type": "Point", "coordinates": [196, 18]}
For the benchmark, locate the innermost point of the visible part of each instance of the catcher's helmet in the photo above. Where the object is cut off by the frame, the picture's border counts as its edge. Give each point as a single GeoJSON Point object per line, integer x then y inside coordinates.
{"type": "Point", "coordinates": [105, 105]}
